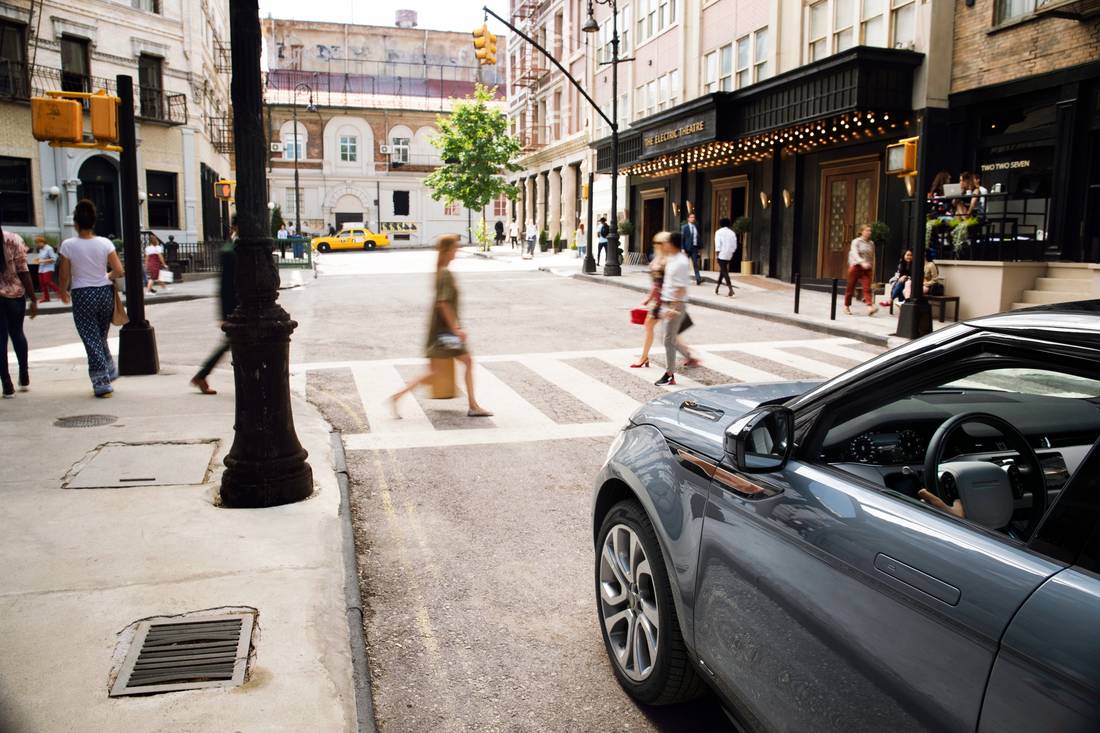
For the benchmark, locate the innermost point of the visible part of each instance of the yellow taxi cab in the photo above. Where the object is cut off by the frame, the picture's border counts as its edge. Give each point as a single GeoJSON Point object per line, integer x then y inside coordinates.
{"type": "Point", "coordinates": [351, 238]}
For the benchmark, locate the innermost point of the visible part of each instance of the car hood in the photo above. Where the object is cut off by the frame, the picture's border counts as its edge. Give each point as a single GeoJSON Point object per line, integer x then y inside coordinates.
{"type": "Point", "coordinates": [703, 431]}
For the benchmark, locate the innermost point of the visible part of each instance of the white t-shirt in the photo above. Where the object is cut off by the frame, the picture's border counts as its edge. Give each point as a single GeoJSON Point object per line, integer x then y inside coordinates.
{"type": "Point", "coordinates": [153, 249]}
{"type": "Point", "coordinates": [513, 230]}
{"type": "Point", "coordinates": [88, 258]}
{"type": "Point", "coordinates": [677, 275]}
{"type": "Point", "coordinates": [283, 234]}
{"type": "Point", "coordinates": [725, 241]}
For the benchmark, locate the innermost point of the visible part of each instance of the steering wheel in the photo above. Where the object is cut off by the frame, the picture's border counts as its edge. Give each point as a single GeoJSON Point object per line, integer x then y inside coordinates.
{"type": "Point", "coordinates": [1016, 440]}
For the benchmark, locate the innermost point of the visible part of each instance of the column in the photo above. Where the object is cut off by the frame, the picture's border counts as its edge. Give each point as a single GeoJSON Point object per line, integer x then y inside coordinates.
{"type": "Point", "coordinates": [528, 203]}
{"type": "Point", "coordinates": [191, 188]}
{"type": "Point", "coordinates": [540, 207]}
{"type": "Point", "coordinates": [569, 200]}
{"type": "Point", "coordinates": [553, 217]}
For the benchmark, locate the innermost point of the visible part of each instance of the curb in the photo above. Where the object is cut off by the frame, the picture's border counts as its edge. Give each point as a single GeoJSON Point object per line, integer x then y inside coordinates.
{"type": "Point", "coordinates": [790, 320]}
{"type": "Point", "coordinates": [353, 599]}
{"type": "Point", "coordinates": [148, 302]}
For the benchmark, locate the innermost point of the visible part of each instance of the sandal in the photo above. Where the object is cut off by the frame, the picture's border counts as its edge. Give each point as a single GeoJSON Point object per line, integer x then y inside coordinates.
{"type": "Point", "coordinates": [641, 364]}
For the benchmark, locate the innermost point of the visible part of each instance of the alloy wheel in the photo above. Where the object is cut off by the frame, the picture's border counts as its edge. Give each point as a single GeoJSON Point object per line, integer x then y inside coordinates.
{"type": "Point", "coordinates": [628, 603]}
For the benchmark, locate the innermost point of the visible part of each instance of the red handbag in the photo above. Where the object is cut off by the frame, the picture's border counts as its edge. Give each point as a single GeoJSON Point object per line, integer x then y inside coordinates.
{"type": "Point", "coordinates": [638, 315]}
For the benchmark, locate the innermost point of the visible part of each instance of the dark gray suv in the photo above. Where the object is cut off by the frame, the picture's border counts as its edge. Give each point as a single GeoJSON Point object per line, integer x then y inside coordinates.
{"type": "Point", "coordinates": [913, 545]}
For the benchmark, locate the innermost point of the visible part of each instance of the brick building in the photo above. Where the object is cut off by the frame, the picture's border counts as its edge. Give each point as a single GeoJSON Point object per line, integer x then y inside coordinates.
{"type": "Point", "coordinates": [177, 53]}
{"type": "Point", "coordinates": [366, 100]}
{"type": "Point", "coordinates": [1025, 113]}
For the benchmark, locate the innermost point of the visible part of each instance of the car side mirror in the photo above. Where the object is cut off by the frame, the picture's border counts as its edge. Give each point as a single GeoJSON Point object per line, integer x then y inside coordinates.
{"type": "Point", "coordinates": [762, 440]}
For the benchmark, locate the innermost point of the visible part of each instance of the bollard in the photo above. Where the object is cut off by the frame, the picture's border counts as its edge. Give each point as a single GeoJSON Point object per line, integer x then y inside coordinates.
{"type": "Point", "coordinates": [832, 308]}
{"type": "Point", "coordinates": [797, 289]}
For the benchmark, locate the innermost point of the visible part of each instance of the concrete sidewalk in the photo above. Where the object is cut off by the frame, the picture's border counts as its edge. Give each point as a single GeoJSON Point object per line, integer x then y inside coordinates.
{"type": "Point", "coordinates": [80, 566]}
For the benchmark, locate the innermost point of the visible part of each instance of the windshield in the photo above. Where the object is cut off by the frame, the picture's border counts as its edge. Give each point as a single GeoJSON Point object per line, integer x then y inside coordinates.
{"type": "Point", "coordinates": [1039, 382]}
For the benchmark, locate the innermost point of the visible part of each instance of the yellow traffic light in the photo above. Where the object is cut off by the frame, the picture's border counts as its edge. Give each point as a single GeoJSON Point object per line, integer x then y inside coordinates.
{"type": "Point", "coordinates": [223, 189]}
{"type": "Point", "coordinates": [60, 120]}
{"type": "Point", "coordinates": [485, 45]}
{"type": "Point", "coordinates": [104, 113]}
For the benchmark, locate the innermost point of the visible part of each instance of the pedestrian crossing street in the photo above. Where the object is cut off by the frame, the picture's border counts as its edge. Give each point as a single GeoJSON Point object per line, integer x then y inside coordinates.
{"type": "Point", "coordinates": [547, 396]}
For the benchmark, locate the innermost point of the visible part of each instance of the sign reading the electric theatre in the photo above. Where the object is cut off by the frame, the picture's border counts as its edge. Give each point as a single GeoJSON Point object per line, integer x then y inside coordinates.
{"type": "Point", "coordinates": [683, 133]}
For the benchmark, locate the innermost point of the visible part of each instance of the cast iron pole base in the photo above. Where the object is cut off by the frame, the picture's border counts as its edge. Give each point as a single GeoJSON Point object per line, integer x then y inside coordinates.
{"type": "Point", "coordinates": [611, 266]}
{"type": "Point", "coordinates": [266, 465]}
{"type": "Point", "coordinates": [914, 319]}
{"type": "Point", "coordinates": [137, 349]}
{"type": "Point", "coordinates": [589, 266]}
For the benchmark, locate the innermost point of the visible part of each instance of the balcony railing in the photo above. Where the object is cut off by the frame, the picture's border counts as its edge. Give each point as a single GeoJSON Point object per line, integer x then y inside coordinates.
{"type": "Point", "coordinates": [421, 86]}
{"type": "Point", "coordinates": [21, 81]}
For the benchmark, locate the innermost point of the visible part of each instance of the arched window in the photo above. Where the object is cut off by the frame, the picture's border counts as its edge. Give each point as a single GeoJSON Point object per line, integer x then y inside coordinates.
{"type": "Point", "coordinates": [294, 140]}
{"type": "Point", "coordinates": [400, 144]}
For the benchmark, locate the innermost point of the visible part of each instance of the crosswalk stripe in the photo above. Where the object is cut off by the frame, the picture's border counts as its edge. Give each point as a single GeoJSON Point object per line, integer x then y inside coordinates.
{"type": "Point", "coordinates": [376, 382]}
{"type": "Point", "coordinates": [736, 370]}
{"type": "Point", "coordinates": [509, 409]}
{"type": "Point", "coordinates": [476, 436]}
{"type": "Point", "coordinates": [621, 360]}
{"type": "Point", "coordinates": [614, 404]}
{"type": "Point", "coordinates": [806, 364]}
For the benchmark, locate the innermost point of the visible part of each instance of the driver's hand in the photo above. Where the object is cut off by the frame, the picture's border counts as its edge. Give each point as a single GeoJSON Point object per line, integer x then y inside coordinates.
{"type": "Point", "coordinates": [929, 498]}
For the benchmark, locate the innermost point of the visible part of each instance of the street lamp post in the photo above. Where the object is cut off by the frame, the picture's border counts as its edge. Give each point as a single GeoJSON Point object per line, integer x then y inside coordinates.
{"type": "Point", "coordinates": [266, 466]}
{"type": "Point", "coordinates": [298, 151]}
{"type": "Point", "coordinates": [611, 265]}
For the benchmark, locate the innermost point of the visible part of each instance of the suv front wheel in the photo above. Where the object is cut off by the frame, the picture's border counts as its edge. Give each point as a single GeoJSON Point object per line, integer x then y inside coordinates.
{"type": "Point", "coordinates": [641, 632]}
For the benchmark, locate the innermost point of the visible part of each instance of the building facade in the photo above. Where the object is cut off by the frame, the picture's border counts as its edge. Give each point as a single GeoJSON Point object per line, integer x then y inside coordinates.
{"type": "Point", "coordinates": [354, 109]}
{"type": "Point", "coordinates": [177, 53]}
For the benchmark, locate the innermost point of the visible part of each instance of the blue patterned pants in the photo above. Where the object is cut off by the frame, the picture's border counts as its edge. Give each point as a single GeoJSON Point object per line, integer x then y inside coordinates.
{"type": "Point", "coordinates": [92, 310]}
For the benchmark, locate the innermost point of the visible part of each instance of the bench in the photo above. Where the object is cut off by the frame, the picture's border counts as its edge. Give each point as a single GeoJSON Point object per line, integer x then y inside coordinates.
{"type": "Point", "coordinates": [942, 301]}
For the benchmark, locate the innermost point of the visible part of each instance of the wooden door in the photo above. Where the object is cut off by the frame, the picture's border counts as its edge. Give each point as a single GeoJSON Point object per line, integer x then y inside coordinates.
{"type": "Point", "coordinates": [849, 199]}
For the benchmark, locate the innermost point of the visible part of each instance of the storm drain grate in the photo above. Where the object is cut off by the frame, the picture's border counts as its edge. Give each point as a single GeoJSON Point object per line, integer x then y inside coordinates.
{"type": "Point", "coordinates": [84, 421]}
{"type": "Point", "coordinates": [186, 654]}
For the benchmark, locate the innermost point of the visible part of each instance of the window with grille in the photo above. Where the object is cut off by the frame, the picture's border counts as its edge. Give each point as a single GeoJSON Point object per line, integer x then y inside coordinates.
{"type": "Point", "coordinates": [162, 200]}
{"type": "Point", "coordinates": [1007, 10]}
{"type": "Point", "coordinates": [500, 206]}
{"type": "Point", "coordinates": [294, 199]}
{"type": "Point", "coordinates": [744, 55]}
{"type": "Point", "coordinates": [710, 72]}
{"type": "Point", "coordinates": [452, 208]}
{"type": "Point", "coordinates": [293, 146]}
{"type": "Point", "coordinates": [349, 148]}
{"type": "Point", "coordinates": [833, 26]}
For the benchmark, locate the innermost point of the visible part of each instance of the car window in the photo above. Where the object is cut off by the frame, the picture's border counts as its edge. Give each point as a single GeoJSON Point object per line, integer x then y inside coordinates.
{"type": "Point", "coordinates": [1032, 382]}
{"type": "Point", "coordinates": [344, 235]}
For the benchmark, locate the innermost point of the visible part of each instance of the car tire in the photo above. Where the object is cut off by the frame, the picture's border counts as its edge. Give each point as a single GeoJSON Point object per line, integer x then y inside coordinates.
{"type": "Point", "coordinates": [323, 247]}
{"type": "Point", "coordinates": [668, 676]}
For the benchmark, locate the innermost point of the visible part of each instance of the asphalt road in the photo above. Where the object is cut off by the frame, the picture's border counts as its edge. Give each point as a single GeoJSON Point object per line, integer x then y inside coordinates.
{"type": "Point", "coordinates": [473, 536]}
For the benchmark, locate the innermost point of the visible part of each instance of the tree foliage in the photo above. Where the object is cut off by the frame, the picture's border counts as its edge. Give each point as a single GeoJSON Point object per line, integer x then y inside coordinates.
{"type": "Point", "coordinates": [477, 150]}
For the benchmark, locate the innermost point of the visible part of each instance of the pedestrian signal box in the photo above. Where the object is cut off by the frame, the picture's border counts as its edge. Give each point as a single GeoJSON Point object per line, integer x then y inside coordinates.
{"type": "Point", "coordinates": [223, 189]}
{"type": "Point", "coordinates": [103, 109]}
{"type": "Point", "coordinates": [60, 120]}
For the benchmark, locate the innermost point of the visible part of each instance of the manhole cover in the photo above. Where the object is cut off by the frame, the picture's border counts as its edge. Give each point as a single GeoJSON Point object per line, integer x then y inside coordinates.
{"type": "Point", "coordinates": [186, 654]}
{"type": "Point", "coordinates": [84, 421]}
{"type": "Point", "coordinates": [144, 464]}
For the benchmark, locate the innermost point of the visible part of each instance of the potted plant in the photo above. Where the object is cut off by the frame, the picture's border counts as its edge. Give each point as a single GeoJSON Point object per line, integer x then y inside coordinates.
{"type": "Point", "coordinates": [544, 240]}
{"type": "Point", "coordinates": [557, 243]}
{"type": "Point", "coordinates": [742, 225]}
{"type": "Point", "coordinates": [880, 235]}
{"type": "Point", "coordinates": [626, 228]}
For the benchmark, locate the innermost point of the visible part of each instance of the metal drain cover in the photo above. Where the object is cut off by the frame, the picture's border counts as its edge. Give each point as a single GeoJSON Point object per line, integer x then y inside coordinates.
{"type": "Point", "coordinates": [188, 653]}
{"type": "Point", "coordinates": [84, 421]}
{"type": "Point", "coordinates": [144, 464]}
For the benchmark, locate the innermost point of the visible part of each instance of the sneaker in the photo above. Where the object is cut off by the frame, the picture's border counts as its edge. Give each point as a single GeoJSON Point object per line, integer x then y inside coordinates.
{"type": "Point", "coordinates": [104, 392]}
{"type": "Point", "coordinates": [668, 380]}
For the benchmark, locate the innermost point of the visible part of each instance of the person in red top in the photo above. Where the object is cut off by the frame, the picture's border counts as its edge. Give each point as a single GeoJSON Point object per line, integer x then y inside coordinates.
{"type": "Point", "coordinates": [15, 288]}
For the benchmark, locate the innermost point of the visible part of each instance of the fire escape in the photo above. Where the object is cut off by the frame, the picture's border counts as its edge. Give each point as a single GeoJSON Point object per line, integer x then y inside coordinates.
{"type": "Point", "coordinates": [528, 74]}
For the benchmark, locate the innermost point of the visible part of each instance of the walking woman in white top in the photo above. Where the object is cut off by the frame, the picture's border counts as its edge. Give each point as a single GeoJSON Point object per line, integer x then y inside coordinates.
{"type": "Point", "coordinates": [88, 265]}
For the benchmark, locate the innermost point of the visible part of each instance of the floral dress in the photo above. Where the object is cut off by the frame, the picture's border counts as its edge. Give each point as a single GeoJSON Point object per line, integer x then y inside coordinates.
{"type": "Point", "coordinates": [657, 274]}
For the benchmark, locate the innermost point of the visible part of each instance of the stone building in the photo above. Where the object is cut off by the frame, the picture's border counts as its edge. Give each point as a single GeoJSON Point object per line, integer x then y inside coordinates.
{"type": "Point", "coordinates": [177, 53]}
{"type": "Point", "coordinates": [354, 108]}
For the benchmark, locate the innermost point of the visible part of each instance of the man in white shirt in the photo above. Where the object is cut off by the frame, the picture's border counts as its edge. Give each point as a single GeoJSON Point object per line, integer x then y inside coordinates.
{"type": "Point", "coordinates": [725, 245]}
{"type": "Point", "coordinates": [532, 235]}
{"type": "Point", "coordinates": [513, 233]}
{"type": "Point", "coordinates": [674, 304]}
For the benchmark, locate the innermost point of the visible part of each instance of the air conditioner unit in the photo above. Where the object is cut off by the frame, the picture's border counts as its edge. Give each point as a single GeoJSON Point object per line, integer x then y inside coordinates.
{"type": "Point", "coordinates": [276, 147]}
{"type": "Point", "coordinates": [385, 149]}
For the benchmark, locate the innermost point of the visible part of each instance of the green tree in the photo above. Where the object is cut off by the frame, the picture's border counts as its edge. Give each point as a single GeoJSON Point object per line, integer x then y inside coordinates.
{"type": "Point", "coordinates": [276, 220]}
{"type": "Point", "coordinates": [477, 151]}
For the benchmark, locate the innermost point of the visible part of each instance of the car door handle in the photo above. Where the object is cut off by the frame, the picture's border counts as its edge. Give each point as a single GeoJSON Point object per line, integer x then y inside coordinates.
{"type": "Point", "coordinates": [918, 579]}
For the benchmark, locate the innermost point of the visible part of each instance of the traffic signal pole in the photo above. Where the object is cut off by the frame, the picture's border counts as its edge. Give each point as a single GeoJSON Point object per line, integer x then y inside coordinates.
{"type": "Point", "coordinates": [613, 235]}
{"type": "Point", "coordinates": [137, 342]}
